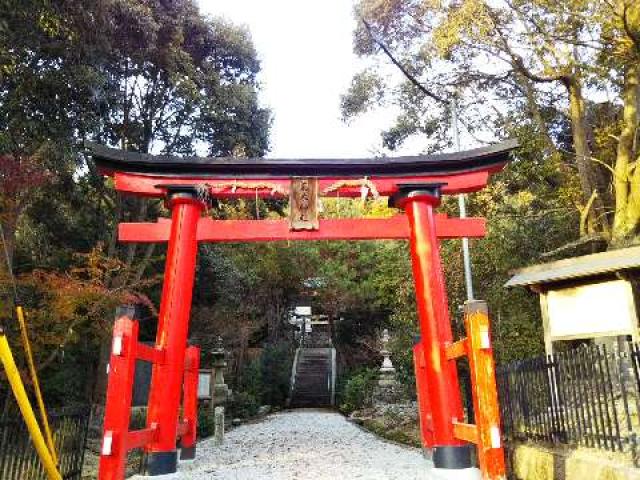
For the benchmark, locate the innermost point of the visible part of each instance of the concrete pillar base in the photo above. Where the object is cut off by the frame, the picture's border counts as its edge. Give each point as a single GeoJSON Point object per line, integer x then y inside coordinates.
{"type": "Point", "coordinates": [188, 453]}
{"type": "Point", "coordinates": [449, 473]}
{"type": "Point", "coordinates": [455, 457]}
{"type": "Point", "coordinates": [162, 463]}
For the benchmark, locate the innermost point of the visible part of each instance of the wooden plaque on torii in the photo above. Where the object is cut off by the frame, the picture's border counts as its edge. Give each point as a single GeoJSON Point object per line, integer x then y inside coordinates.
{"type": "Point", "coordinates": [303, 204]}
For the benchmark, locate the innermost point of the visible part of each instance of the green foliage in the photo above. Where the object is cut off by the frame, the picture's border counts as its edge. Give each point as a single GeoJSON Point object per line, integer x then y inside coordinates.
{"type": "Point", "coordinates": [138, 419]}
{"type": "Point", "coordinates": [364, 93]}
{"type": "Point", "coordinates": [244, 405]}
{"type": "Point", "coordinates": [512, 66]}
{"type": "Point", "coordinates": [275, 365]}
{"type": "Point", "coordinates": [206, 423]}
{"type": "Point", "coordinates": [134, 74]}
{"type": "Point", "coordinates": [158, 76]}
{"type": "Point", "coordinates": [264, 381]}
{"type": "Point", "coordinates": [358, 389]}
{"type": "Point", "coordinates": [251, 382]}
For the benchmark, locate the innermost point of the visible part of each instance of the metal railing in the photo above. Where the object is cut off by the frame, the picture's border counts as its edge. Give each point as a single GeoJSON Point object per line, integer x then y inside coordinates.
{"type": "Point", "coordinates": [589, 396]}
{"type": "Point", "coordinates": [18, 458]}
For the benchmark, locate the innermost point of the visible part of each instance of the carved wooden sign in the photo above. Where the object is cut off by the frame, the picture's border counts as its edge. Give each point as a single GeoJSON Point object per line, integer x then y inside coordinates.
{"type": "Point", "coordinates": [303, 204]}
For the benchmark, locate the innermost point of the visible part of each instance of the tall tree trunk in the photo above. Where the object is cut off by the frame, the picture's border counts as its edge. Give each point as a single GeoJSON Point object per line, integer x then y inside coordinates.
{"type": "Point", "coordinates": [588, 183]}
{"type": "Point", "coordinates": [627, 184]}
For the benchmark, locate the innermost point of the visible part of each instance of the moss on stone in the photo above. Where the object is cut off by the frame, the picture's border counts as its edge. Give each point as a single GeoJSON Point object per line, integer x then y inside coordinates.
{"type": "Point", "coordinates": [406, 436]}
{"type": "Point", "coordinates": [530, 463]}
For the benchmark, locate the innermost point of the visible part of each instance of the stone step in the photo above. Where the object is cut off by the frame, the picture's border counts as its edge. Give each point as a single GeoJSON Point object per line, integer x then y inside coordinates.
{"type": "Point", "coordinates": [312, 373]}
{"type": "Point", "coordinates": [313, 385]}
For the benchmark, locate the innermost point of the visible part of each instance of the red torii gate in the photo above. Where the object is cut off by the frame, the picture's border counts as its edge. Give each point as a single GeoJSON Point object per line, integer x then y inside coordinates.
{"type": "Point", "coordinates": [413, 184]}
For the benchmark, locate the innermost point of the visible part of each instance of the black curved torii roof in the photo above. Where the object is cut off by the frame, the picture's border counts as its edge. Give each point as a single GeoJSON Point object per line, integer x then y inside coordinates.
{"type": "Point", "coordinates": [490, 158]}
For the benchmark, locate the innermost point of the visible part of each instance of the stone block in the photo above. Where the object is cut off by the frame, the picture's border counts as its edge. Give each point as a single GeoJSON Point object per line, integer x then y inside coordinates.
{"type": "Point", "coordinates": [532, 463]}
{"type": "Point", "coordinates": [218, 423]}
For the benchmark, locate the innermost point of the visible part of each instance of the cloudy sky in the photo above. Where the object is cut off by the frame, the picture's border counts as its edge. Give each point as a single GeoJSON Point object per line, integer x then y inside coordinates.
{"type": "Point", "coordinates": [307, 63]}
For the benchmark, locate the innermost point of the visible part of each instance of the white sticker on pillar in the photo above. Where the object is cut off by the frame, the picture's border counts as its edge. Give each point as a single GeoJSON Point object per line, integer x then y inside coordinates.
{"type": "Point", "coordinates": [107, 443]}
{"type": "Point", "coordinates": [117, 345]}
{"type": "Point", "coordinates": [485, 341]}
{"type": "Point", "coordinates": [495, 437]}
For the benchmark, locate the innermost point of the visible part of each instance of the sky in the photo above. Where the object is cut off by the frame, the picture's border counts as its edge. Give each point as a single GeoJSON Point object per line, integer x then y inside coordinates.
{"type": "Point", "coordinates": [307, 59]}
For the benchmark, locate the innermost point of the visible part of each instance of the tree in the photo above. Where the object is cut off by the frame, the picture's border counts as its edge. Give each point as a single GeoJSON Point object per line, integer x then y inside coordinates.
{"type": "Point", "coordinates": [551, 58]}
{"type": "Point", "coordinates": [174, 80]}
{"type": "Point", "coordinates": [45, 94]}
{"type": "Point", "coordinates": [145, 76]}
{"type": "Point", "coordinates": [140, 75]}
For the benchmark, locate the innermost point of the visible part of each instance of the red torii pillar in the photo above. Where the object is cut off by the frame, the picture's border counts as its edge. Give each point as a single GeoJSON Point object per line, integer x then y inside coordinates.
{"type": "Point", "coordinates": [173, 327]}
{"type": "Point", "coordinates": [441, 390]}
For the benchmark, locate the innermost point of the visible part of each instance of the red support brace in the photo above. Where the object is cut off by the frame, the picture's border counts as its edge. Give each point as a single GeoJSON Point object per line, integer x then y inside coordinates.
{"type": "Point", "coordinates": [140, 438]}
{"type": "Point", "coordinates": [117, 439]}
{"type": "Point", "coordinates": [122, 363]}
{"type": "Point", "coordinates": [190, 403]}
{"type": "Point", "coordinates": [173, 324]}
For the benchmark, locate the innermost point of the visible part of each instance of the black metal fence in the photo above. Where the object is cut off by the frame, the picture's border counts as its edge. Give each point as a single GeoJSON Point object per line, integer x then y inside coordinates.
{"type": "Point", "coordinates": [18, 458]}
{"type": "Point", "coordinates": [589, 396]}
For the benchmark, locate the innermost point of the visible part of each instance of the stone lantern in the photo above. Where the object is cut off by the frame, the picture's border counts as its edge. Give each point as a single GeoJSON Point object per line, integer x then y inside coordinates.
{"type": "Point", "coordinates": [387, 370]}
{"type": "Point", "coordinates": [387, 391]}
{"type": "Point", "coordinates": [221, 392]}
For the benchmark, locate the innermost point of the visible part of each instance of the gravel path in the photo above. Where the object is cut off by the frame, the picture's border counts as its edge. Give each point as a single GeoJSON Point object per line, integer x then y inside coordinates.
{"type": "Point", "coordinates": [301, 445]}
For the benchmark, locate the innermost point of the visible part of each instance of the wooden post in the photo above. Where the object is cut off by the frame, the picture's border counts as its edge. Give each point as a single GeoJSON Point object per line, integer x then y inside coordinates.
{"type": "Point", "coordinates": [485, 394]}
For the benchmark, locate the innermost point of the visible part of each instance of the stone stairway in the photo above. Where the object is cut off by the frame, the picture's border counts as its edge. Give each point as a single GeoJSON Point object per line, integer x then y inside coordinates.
{"type": "Point", "coordinates": [313, 378]}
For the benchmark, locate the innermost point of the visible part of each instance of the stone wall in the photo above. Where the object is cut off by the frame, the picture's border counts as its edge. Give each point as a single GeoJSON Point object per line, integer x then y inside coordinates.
{"type": "Point", "coordinates": [534, 462]}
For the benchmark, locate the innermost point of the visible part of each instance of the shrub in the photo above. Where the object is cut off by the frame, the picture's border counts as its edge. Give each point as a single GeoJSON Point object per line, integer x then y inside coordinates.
{"type": "Point", "coordinates": [250, 382]}
{"type": "Point", "coordinates": [275, 368]}
{"type": "Point", "coordinates": [206, 423]}
{"type": "Point", "coordinates": [243, 405]}
{"type": "Point", "coordinates": [358, 390]}
{"type": "Point", "coordinates": [265, 381]}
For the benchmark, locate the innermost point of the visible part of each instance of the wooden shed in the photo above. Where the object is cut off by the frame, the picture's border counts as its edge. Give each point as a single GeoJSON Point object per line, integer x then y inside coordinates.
{"type": "Point", "coordinates": [587, 297]}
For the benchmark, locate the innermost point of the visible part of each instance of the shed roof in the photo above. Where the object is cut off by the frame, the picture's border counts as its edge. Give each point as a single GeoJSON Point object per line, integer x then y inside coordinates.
{"type": "Point", "coordinates": [578, 267]}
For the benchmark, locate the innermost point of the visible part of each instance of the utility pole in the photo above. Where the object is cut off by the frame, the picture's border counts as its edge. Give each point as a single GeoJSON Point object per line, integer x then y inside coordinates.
{"type": "Point", "coordinates": [462, 205]}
